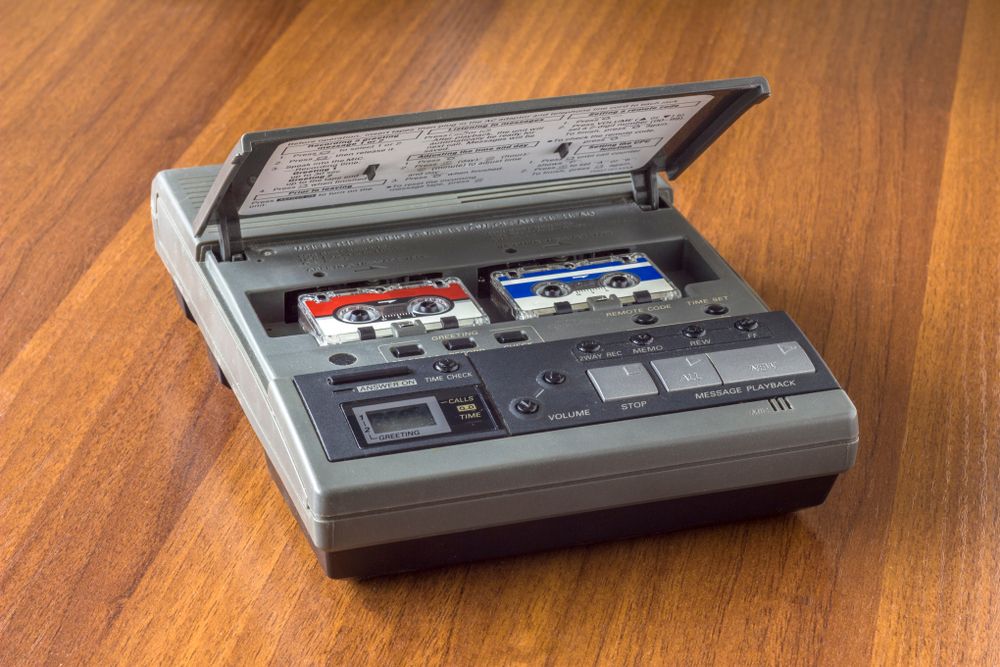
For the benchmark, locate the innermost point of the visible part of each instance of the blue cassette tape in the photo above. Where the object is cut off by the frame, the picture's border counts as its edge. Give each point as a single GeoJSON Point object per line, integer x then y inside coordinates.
{"type": "Point", "coordinates": [548, 289]}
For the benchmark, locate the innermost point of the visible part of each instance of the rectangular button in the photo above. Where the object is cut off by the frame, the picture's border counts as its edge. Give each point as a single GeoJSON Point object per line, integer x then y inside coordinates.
{"type": "Point", "coordinates": [407, 351]}
{"type": "Point", "coordinates": [617, 383]}
{"type": "Point", "coordinates": [682, 373]}
{"type": "Point", "coordinates": [459, 344]}
{"type": "Point", "coordinates": [761, 362]}
{"type": "Point", "coordinates": [511, 337]}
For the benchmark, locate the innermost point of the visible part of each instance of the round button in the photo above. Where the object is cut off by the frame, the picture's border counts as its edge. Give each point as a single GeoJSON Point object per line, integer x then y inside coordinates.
{"type": "Point", "coordinates": [716, 309]}
{"type": "Point", "coordinates": [446, 365]}
{"type": "Point", "coordinates": [747, 324]}
{"type": "Point", "coordinates": [641, 338]}
{"type": "Point", "coordinates": [553, 377]}
{"type": "Point", "coordinates": [588, 346]}
{"type": "Point", "coordinates": [693, 331]}
{"type": "Point", "coordinates": [526, 406]}
{"type": "Point", "coordinates": [645, 318]}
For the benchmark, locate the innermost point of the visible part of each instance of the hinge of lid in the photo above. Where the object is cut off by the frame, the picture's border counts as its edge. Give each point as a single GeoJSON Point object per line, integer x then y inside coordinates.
{"type": "Point", "coordinates": [646, 188]}
{"type": "Point", "coordinates": [230, 238]}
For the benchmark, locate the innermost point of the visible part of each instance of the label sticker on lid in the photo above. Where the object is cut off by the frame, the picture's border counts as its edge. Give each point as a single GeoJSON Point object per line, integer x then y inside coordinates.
{"type": "Point", "coordinates": [467, 154]}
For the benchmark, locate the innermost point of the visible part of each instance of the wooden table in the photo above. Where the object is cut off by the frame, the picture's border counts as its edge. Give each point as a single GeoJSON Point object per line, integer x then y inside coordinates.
{"type": "Point", "coordinates": [138, 523]}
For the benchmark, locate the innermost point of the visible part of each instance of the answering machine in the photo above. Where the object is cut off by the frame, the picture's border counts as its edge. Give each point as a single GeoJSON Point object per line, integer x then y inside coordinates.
{"type": "Point", "coordinates": [485, 331]}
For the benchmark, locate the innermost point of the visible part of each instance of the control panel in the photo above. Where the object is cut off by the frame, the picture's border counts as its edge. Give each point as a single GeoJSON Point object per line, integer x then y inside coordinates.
{"type": "Point", "coordinates": [650, 371]}
{"type": "Point", "coordinates": [389, 408]}
{"type": "Point", "coordinates": [529, 388]}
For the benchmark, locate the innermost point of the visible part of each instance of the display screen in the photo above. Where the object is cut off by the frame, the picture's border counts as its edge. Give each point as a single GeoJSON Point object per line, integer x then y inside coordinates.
{"type": "Point", "coordinates": [400, 418]}
{"type": "Point", "coordinates": [424, 418]}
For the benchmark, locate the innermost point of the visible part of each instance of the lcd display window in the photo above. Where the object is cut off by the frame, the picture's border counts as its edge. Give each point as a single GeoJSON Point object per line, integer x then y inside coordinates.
{"type": "Point", "coordinates": [401, 418]}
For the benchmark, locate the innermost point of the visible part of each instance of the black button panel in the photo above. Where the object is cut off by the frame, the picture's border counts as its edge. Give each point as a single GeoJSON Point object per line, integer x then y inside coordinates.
{"type": "Point", "coordinates": [399, 406]}
{"type": "Point", "coordinates": [620, 376]}
{"type": "Point", "coordinates": [450, 399]}
{"type": "Point", "coordinates": [664, 338]}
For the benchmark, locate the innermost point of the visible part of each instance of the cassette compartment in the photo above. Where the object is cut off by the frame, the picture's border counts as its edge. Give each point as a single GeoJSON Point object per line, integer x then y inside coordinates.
{"type": "Point", "coordinates": [395, 178]}
{"type": "Point", "coordinates": [677, 258]}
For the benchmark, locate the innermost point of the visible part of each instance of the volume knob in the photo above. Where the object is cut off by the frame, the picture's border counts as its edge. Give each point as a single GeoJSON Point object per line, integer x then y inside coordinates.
{"type": "Point", "coordinates": [526, 406]}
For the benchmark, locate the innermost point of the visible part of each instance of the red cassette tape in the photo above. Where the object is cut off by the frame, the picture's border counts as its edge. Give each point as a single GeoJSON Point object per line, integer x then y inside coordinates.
{"type": "Point", "coordinates": [339, 316]}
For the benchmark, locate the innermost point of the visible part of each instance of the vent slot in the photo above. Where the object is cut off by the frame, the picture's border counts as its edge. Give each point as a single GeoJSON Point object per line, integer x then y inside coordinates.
{"type": "Point", "coordinates": [780, 404]}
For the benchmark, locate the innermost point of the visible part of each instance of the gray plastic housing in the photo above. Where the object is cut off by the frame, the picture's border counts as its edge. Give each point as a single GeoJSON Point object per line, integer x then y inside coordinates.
{"type": "Point", "coordinates": [240, 307]}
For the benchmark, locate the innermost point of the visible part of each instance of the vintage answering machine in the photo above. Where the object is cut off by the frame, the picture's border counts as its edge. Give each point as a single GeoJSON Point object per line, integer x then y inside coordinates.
{"type": "Point", "coordinates": [484, 331]}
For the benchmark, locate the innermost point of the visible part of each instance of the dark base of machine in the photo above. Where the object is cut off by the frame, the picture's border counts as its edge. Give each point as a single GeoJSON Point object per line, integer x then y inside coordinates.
{"type": "Point", "coordinates": [573, 530]}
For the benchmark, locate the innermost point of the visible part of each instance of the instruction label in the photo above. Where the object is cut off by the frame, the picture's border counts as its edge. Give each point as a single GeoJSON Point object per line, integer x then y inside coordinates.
{"type": "Point", "coordinates": [467, 154]}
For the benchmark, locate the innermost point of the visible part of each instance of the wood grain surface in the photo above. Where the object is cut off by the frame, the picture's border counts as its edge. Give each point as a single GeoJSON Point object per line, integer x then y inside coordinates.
{"type": "Point", "coordinates": [138, 524]}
